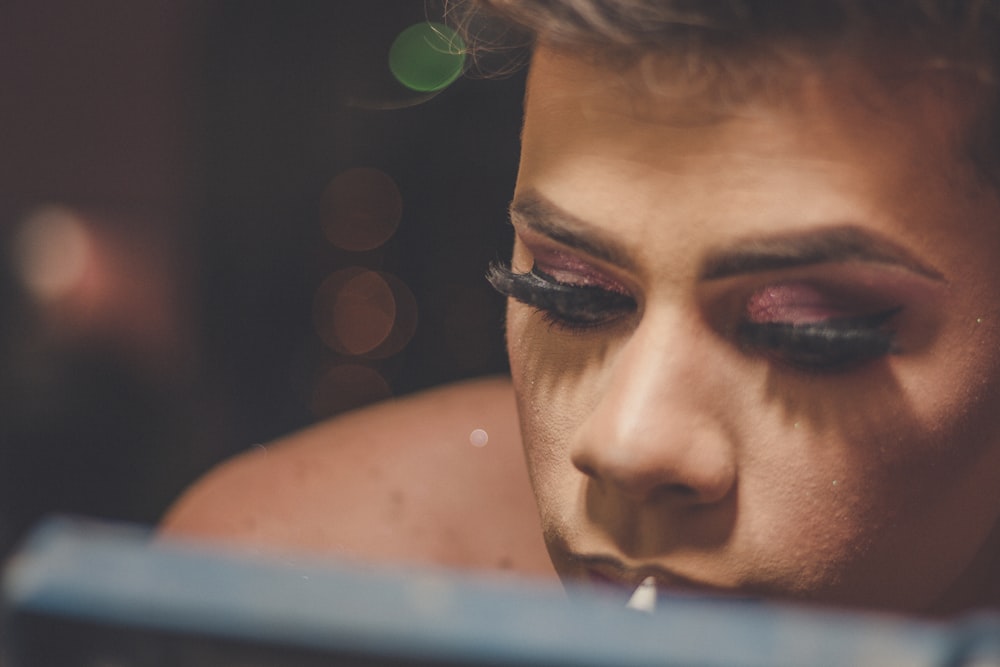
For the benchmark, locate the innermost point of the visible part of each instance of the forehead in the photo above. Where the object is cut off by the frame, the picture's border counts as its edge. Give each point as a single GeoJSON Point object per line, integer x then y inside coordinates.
{"type": "Point", "coordinates": [646, 145]}
{"type": "Point", "coordinates": [670, 97]}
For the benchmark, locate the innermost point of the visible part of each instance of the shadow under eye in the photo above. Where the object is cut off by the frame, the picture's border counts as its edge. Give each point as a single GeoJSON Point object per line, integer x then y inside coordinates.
{"type": "Point", "coordinates": [830, 345]}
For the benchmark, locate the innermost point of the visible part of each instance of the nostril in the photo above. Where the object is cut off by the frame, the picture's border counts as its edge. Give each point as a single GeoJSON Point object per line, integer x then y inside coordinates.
{"type": "Point", "coordinates": [640, 479]}
{"type": "Point", "coordinates": [682, 490]}
{"type": "Point", "coordinates": [682, 474]}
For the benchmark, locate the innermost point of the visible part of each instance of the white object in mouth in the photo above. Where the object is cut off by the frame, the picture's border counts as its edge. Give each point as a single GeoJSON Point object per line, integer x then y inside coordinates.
{"type": "Point", "coordinates": [644, 597]}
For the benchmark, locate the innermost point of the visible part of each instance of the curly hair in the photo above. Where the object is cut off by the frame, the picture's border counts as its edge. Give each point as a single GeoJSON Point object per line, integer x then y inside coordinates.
{"type": "Point", "coordinates": [966, 29]}
{"type": "Point", "coordinates": [739, 45]}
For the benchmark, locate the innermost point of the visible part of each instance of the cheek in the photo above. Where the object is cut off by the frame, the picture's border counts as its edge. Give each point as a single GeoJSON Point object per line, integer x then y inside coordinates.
{"type": "Point", "coordinates": [905, 476]}
{"type": "Point", "coordinates": [554, 385]}
{"type": "Point", "coordinates": [525, 367]}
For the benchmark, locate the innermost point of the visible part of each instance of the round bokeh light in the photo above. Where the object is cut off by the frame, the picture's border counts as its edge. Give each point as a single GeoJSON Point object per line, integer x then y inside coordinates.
{"type": "Point", "coordinates": [427, 57]}
{"type": "Point", "coordinates": [361, 209]}
{"type": "Point", "coordinates": [354, 311]}
{"type": "Point", "coordinates": [360, 312]}
{"type": "Point", "coordinates": [52, 252]}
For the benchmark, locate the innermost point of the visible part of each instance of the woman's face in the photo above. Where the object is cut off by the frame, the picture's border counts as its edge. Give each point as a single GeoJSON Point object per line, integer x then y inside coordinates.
{"type": "Point", "coordinates": [761, 348]}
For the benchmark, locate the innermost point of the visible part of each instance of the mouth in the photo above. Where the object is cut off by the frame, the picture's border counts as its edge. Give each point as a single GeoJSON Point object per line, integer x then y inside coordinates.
{"type": "Point", "coordinates": [610, 575]}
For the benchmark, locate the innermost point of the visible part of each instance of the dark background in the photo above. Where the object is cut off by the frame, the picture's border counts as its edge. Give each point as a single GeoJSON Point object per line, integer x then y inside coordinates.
{"type": "Point", "coordinates": [193, 142]}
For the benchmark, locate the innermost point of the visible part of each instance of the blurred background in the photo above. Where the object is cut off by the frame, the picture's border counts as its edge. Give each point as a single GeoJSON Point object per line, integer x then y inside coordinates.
{"type": "Point", "coordinates": [221, 221]}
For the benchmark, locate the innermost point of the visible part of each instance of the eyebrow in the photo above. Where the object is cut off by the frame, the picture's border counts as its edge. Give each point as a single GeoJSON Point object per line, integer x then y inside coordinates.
{"type": "Point", "coordinates": [542, 216]}
{"type": "Point", "coordinates": [840, 243]}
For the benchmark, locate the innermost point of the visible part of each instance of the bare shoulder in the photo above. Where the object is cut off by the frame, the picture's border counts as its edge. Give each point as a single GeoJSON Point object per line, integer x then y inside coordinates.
{"type": "Point", "coordinates": [433, 478]}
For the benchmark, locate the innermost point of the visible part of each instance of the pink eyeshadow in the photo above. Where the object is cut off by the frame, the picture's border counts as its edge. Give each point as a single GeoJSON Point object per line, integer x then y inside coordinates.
{"type": "Point", "coordinates": [793, 303]}
{"type": "Point", "coordinates": [569, 269]}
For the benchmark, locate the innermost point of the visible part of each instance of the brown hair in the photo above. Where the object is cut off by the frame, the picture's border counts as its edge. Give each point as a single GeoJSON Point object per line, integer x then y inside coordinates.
{"type": "Point", "coordinates": [738, 42]}
{"type": "Point", "coordinates": [952, 27]}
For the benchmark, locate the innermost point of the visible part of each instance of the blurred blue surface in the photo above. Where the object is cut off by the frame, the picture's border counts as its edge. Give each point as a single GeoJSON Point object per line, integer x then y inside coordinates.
{"type": "Point", "coordinates": [118, 581]}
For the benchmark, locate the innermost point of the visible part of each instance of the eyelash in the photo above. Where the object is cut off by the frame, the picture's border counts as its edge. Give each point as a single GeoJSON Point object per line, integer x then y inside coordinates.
{"type": "Point", "coordinates": [831, 345]}
{"type": "Point", "coordinates": [572, 307]}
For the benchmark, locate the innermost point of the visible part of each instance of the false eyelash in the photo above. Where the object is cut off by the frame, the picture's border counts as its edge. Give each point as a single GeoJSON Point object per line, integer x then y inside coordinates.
{"type": "Point", "coordinates": [828, 345]}
{"type": "Point", "coordinates": [570, 305]}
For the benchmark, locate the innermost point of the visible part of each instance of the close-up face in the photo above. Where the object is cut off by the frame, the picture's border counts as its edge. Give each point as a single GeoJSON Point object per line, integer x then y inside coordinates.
{"type": "Point", "coordinates": [756, 346]}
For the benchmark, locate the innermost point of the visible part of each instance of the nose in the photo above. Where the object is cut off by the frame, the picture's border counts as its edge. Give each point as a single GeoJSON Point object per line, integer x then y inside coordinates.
{"type": "Point", "coordinates": [658, 429]}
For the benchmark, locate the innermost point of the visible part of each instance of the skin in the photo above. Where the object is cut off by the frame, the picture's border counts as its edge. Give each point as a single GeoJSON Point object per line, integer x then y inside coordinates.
{"type": "Point", "coordinates": [394, 483]}
{"type": "Point", "coordinates": [658, 442]}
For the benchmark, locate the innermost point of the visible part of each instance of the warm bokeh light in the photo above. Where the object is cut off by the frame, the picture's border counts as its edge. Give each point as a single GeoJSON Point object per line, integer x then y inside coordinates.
{"type": "Point", "coordinates": [361, 209]}
{"type": "Point", "coordinates": [479, 438]}
{"type": "Point", "coordinates": [427, 57]}
{"type": "Point", "coordinates": [405, 324]}
{"type": "Point", "coordinates": [52, 252]}
{"type": "Point", "coordinates": [354, 311]}
{"type": "Point", "coordinates": [106, 279]}
{"type": "Point", "coordinates": [347, 386]}
{"type": "Point", "coordinates": [360, 312]}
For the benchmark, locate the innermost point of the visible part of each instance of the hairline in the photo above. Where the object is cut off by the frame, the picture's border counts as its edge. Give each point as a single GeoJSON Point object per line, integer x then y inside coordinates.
{"type": "Point", "coordinates": [755, 63]}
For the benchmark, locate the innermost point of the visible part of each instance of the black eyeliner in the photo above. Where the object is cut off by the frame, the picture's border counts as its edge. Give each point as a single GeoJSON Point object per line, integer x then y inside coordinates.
{"type": "Point", "coordinates": [579, 305]}
{"type": "Point", "coordinates": [825, 345]}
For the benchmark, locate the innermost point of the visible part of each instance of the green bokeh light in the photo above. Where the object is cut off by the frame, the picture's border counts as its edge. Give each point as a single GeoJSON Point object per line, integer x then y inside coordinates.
{"type": "Point", "coordinates": [427, 57]}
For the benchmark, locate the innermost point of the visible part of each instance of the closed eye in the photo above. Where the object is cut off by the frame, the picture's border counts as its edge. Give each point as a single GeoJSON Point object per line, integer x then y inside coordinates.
{"type": "Point", "coordinates": [831, 345]}
{"type": "Point", "coordinates": [827, 346]}
{"type": "Point", "coordinates": [563, 304]}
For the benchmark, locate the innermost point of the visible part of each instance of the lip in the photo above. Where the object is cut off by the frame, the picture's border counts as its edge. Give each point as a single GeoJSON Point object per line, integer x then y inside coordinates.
{"type": "Point", "coordinates": [610, 573]}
